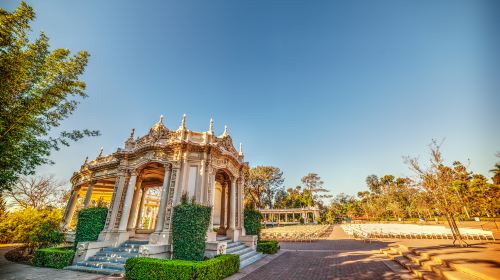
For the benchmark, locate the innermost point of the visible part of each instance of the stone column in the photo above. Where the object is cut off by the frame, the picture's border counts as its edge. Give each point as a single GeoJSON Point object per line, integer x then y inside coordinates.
{"type": "Point", "coordinates": [88, 195]}
{"type": "Point", "coordinates": [135, 206]}
{"type": "Point", "coordinates": [232, 232]}
{"type": "Point", "coordinates": [127, 203]}
{"type": "Point", "coordinates": [211, 235]}
{"type": "Point", "coordinates": [222, 224]}
{"type": "Point", "coordinates": [163, 200]}
{"type": "Point", "coordinates": [286, 217]}
{"type": "Point", "coordinates": [141, 209]}
{"type": "Point", "coordinates": [119, 185]}
{"type": "Point", "coordinates": [70, 209]}
{"type": "Point", "coordinates": [232, 206]}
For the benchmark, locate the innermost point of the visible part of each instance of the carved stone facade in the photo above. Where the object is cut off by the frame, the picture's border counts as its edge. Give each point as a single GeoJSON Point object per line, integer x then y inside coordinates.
{"type": "Point", "coordinates": [142, 182]}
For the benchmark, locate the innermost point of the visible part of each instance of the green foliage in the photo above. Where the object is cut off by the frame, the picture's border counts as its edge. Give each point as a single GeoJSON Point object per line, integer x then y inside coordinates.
{"type": "Point", "coordinates": [301, 220]}
{"type": "Point", "coordinates": [91, 221]}
{"type": "Point", "coordinates": [189, 228]}
{"type": "Point", "coordinates": [261, 185]}
{"type": "Point", "coordinates": [29, 225]}
{"type": "Point", "coordinates": [47, 235]}
{"type": "Point", "coordinates": [268, 246]}
{"type": "Point", "coordinates": [53, 257]}
{"type": "Point", "coordinates": [252, 219]}
{"type": "Point", "coordinates": [219, 267]}
{"type": "Point", "coordinates": [39, 88]}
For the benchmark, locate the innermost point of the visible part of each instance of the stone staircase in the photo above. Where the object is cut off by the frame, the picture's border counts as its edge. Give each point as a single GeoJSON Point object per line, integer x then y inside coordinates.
{"type": "Point", "coordinates": [247, 254]}
{"type": "Point", "coordinates": [424, 266]}
{"type": "Point", "coordinates": [110, 260]}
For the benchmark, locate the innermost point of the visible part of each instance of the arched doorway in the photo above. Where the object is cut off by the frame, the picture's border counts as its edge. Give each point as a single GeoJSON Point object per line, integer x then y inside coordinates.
{"type": "Point", "coordinates": [146, 199]}
{"type": "Point", "coordinates": [222, 202]}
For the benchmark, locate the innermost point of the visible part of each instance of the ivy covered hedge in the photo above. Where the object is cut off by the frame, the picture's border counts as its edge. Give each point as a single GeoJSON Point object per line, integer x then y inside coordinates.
{"type": "Point", "coordinates": [268, 246]}
{"type": "Point", "coordinates": [91, 221]}
{"type": "Point", "coordinates": [216, 268]}
{"type": "Point", "coordinates": [252, 220]}
{"type": "Point", "coordinates": [58, 257]}
{"type": "Point", "coordinates": [189, 227]}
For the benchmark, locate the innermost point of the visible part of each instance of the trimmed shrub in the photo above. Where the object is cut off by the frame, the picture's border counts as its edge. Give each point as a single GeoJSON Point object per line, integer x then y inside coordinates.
{"type": "Point", "coordinates": [216, 268]}
{"type": "Point", "coordinates": [268, 246]}
{"type": "Point", "coordinates": [189, 227]}
{"type": "Point", "coordinates": [91, 221]}
{"type": "Point", "coordinates": [57, 257]}
{"type": "Point", "coordinates": [252, 220]}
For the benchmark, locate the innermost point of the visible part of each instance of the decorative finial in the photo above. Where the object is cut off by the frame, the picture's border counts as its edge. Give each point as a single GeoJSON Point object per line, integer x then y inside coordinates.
{"type": "Point", "coordinates": [211, 127]}
{"type": "Point", "coordinates": [183, 123]}
{"type": "Point", "coordinates": [86, 160]}
{"type": "Point", "coordinates": [241, 149]}
{"type": "Point", "coordinates": [132, 134]}
{"type": "Point", "coordinates": [161, 119]}
{"type": "Point", "coordinates": [225, 131]}
{"type": "Point", "coordinates": [100, 152]}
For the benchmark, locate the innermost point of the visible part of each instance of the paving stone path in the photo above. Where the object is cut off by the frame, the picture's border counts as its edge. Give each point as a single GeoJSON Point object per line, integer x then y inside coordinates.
{"type": "Point", "coordinates": [10, 270]}
{"type": "Point", "coordinates": [337, 257]}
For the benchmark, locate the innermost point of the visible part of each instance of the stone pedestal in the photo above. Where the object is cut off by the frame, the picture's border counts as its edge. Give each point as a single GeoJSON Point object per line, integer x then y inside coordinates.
{"type": "Point", "coordinates": [160, 238]}
{"type": "Point", "coordinates": [233, 234]}
{"type": "Point", "coordinates": [249, 240]}
{"type": "Point", "coordinates": [211, 236]}
{"type": "Point", "coordinates": [215, 248]}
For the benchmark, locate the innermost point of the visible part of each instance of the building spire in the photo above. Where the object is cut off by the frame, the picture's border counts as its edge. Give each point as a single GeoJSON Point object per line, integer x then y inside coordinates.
{"type": "Point", "coordinates": [161, 119]}
{"type": "Point", "coordinates": [211, 127]}
{"type": "Point", "coordinates": [132, 134]}
{"type": "Point", "coordinates": [225, 131]}
{"type": "Point", "coordinates": [241, 150]}
{"type": "Point", "coordinates": [86, 160]}
{"type": "Point", "coordinates": [183, 122]}
{"type": "Point", "coordinates": [100, 152]}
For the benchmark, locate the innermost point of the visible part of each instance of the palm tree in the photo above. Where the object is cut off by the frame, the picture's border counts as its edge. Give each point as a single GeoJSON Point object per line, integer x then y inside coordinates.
{"type": "Point", "coordinates": [496, 171]}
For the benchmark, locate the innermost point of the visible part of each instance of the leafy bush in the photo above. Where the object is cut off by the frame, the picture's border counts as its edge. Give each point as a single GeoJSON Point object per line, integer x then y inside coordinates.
{"type": "Point", "coordinates": [189, 227]}
{"type": "Point", "coordinates": [216, 268]}
{"type": "Point", "coordinates": [47, 235]}
{"type": "Point", "coordinates": [301, 220]}
{"type": "Point", "coordinates": [28, 225]}
{"type": "Point", "coordinates": [54, 257]}
{"type": "Point", "coordinates": [252, 220]}
{"type": "Point", "coordinates": [268, 246]}
{"type": "Point", "coordinates": [91, 221]}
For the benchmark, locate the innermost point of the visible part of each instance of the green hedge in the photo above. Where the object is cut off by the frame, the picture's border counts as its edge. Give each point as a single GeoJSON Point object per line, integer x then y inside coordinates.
{"type": "Point", "coordinates": [189, 227]}
{"type": "Point", "coordinates": [268, 246]}
{"type": "Point", "coordinates": [252, 220]}
{"type": "Point", "coordinates": [216, 268]}
{"type": "Point", "coordinates": [54, 257]}
{"type": "Point", "coordinates": [91, 221]}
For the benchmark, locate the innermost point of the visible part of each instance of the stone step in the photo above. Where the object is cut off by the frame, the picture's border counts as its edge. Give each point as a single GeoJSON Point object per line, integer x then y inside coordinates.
{"type": "Point", "coordinates": [137, 241]}
{"type": "Point", "coordinates": [106, 265]}
{"type": "Point", "coordinates": [120, 249]}
{"type": "Point", "coordinates": [235, 248]}
{"type": "Point", "coordinates": [116, 254]}
{"type": "Point", "coordinates": [246, 254]}
{"type": "Point", "coordinates": [232, 244]}
{"type": "Point", "coordinates": [242, 251]}
{"type": "Point", "coordinates": [424, 266]}
{"type": "Point", "coordinates": [108, 259]}
{"type": "Point", "coordinates": [95, 270]}
{"type": "Point", "coordinates": [222, 238]}
{"type": "Point", "coordinates": [250, 260]}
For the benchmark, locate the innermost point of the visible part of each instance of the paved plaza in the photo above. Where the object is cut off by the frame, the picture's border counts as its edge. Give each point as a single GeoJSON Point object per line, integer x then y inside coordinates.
{"type": "Point", "coordinates": [337, 257]}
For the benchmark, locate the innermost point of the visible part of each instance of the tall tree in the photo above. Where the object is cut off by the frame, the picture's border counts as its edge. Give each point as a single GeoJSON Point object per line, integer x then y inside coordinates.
{"type": "Point", "coordinates": [313, 183]}
{"type": "Point", "coordinates": [437, 180]}
{"type": "Point", "coordinates": [39, 88]}
{"type": "Point", "coordinates": [37, 192]}
{"type": "Point", "coordinates": [261, 185]}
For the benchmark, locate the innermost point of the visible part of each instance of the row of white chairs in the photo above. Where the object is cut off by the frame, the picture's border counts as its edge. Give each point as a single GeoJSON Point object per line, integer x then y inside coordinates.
{"type": "Point", "coordinates": [303, 233]}
{"type": "Point", "coordinates": [366, 231]}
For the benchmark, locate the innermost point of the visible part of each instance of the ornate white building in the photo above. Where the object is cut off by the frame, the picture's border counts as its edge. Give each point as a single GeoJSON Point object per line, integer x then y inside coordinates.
{"type": "Point", "coordinates": [143, 181]}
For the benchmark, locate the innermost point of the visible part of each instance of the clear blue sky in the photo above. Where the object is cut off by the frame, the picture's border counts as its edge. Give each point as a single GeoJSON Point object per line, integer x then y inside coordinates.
{"type": "Point", "coordinates": [341, 88]}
